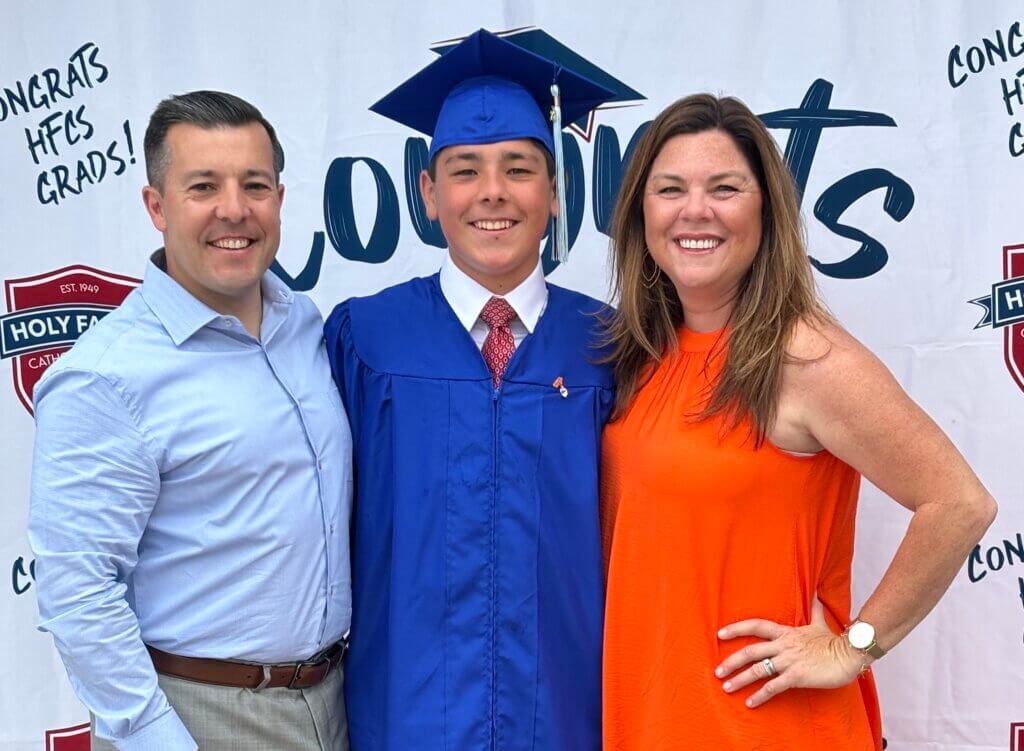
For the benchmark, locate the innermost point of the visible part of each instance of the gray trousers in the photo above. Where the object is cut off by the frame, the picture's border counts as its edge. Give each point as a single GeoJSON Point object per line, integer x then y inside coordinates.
{"type": "Point", "coordinates": [275, 719]}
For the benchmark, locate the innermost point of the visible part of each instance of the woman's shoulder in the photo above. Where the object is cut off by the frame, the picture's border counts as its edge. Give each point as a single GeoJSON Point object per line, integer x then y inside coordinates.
{"type": "Point", "coordinates": [823, 341]}
{"type": "Point", "coordinates": [813, 339]}
{"type": "Point", "coordinates": [824, 359]}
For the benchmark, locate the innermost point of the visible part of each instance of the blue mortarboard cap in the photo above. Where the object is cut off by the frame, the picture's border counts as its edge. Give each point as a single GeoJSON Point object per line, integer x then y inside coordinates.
{"type": "Point", "coordinates": [486, 90]}
{"type": "Point", "coordinates": [488, 109]}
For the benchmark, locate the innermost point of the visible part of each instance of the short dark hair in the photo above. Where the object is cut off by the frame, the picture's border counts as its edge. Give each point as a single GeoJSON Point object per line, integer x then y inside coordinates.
{"type": "Point", "coordinates": [548, 160]}
{"type": "Point", "coordinates": [207, 109]}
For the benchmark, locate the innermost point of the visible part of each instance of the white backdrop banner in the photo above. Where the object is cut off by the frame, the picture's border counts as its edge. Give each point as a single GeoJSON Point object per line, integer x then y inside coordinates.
{"type": "Point", "coordinates": [902, 123]}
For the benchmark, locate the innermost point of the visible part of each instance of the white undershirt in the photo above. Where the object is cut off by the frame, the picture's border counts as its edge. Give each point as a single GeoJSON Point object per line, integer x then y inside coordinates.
{"type": "Point", "coordinates": [467, 298]}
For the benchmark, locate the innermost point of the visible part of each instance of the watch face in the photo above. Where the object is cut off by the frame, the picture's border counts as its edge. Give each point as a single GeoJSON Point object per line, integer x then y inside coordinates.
{"type": "Point", "coordinates": [861, 635]}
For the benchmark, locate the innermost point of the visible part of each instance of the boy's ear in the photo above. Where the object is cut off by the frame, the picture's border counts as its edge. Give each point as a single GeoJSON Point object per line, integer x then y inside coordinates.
{"type": "Point", "coordinates": [427, 194]}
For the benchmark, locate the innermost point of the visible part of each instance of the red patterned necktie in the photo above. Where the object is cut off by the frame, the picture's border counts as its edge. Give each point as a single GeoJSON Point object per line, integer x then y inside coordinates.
{"type": "Point", "coordinates": [499, 344]}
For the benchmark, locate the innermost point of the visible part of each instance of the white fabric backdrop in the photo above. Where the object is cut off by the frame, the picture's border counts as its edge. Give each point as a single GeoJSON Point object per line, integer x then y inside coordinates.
{"type": "Point", "coordinates": [940, 196]}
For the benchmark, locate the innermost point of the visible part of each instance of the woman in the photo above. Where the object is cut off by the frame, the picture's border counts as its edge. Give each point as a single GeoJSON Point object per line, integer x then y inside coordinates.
{"type": "Point", "coordinates": [744, 418]}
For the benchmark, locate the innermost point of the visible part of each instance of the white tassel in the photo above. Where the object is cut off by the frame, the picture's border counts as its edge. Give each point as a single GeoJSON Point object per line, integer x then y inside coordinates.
{"type": "Point", "coordinates": [561, 253]}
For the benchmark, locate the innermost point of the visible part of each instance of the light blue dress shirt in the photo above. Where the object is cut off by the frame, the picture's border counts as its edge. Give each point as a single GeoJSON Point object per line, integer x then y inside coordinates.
{"type": "Point", "coordinates": [191, 490]}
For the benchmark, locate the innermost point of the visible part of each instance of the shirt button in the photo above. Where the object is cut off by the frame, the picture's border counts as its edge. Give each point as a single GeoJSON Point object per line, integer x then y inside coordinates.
{"type": "Point", "coordinates": [228, 323]}
{"type": "Point", "coordinates": [332, 529]}
{"type": "Point", "coordinates": [320, 464]}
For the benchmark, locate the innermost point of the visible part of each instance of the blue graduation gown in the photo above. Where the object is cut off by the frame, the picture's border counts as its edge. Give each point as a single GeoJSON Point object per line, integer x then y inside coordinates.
{"type": "Point", "coordinates": [478, 585]}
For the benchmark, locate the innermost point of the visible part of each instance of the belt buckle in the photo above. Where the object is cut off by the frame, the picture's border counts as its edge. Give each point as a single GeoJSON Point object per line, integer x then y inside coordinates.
{"type": "Point", "coordinates": [298, 669]}
{"type": "Point", "coordinates": [324, 656]}
{"type": "Point", "coordinates": [266, 678]}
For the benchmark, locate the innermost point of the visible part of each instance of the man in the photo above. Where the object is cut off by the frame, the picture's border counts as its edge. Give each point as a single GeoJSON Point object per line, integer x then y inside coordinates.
{"type": "Point", "coordinates": [476, 411]}
{"type": "Point", "coordinates": [191, 486]}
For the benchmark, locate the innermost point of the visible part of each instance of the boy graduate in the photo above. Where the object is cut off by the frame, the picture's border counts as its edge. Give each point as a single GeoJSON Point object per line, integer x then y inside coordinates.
{"type": "Point", "coordinates": [476, 411]}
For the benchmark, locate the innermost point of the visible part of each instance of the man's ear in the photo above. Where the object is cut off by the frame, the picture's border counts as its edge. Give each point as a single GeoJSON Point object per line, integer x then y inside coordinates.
{"type": "Point", "coordinates": [154, 203]}
{"type": "Point", "coordinates": [427, 194]}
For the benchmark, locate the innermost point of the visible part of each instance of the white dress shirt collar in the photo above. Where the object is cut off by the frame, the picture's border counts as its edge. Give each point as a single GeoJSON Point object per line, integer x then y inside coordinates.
{"type": "Point", "coordinates": [467, 297]}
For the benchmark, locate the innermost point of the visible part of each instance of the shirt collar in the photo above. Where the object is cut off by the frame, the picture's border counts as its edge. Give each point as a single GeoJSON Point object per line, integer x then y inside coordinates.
{"type": "Point", "coordinates": [181, 314]}
{"type": "Point", "coordinates": [467, 297]}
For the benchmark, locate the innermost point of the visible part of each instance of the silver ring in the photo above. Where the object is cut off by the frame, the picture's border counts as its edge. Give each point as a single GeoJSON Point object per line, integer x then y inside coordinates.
{"type": "Point", "coordinates": [769, 667]}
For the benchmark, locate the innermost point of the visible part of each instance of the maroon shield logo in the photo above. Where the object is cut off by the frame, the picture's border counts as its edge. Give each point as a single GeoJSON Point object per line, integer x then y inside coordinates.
{"type": "Point", "coordinates": [68, 739]}
{"type": "Point", "coordinates": [1017, 736]}
{"type": "Point", "coordinates": [1013, 335]}
{"type": "Point", "coordinates": [48, 312]}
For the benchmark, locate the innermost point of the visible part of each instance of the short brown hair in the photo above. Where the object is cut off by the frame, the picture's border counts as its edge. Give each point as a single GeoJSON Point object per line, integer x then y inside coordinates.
{"type": "Point", "coordinates": [207, 109]}
{"type": "Point", "coordinates": [549, 161]}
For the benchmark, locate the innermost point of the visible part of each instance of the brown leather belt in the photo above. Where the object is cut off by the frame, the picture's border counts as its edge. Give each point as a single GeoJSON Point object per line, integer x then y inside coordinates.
{"type": "Point", "coordinates": [248, 674]}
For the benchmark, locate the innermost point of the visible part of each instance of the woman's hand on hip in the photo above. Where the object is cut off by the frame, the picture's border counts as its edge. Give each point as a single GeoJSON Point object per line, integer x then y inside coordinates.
{"type": "Point", "coordinates": [808, 656]}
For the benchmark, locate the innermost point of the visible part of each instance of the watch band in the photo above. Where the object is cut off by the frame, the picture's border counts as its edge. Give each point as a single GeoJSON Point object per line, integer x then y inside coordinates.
{"type": "Point", "coordinates": [874, 650]}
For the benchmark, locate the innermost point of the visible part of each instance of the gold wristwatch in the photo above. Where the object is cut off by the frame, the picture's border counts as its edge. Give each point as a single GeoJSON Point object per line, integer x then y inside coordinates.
{"type": "Point", "coordinates": [861, 636]}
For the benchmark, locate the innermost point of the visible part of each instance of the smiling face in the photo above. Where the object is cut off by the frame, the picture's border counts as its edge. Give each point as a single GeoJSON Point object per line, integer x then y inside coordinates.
{"type": "Point", "coordinates": [493, 202]}
{"type": "Point", "coordinates": [219, 210]}
{"type": "Point", "coordinates": [702, 217]}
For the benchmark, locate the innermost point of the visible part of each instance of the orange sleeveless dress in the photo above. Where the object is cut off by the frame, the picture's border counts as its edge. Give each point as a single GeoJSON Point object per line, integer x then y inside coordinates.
{"type": "Point", "coordinates": [702, 530]}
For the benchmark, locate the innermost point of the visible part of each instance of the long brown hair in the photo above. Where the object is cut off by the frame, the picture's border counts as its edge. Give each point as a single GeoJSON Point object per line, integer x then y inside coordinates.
{"type": "Point", "coordinates": [777, 292]}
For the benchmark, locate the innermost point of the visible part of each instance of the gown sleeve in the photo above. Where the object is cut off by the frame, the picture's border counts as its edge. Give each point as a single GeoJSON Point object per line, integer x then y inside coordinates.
{"type": "Point", "coordinates": [344, 361]}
